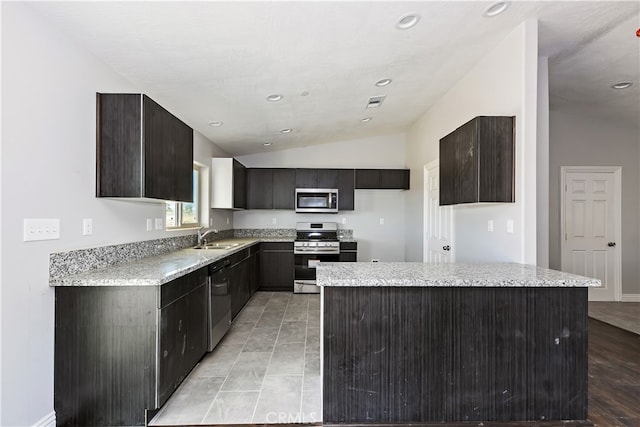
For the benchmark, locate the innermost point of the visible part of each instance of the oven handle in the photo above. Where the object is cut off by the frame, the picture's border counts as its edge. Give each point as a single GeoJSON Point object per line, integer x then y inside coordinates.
{"type": "Point", "coordinates": [316, 252]}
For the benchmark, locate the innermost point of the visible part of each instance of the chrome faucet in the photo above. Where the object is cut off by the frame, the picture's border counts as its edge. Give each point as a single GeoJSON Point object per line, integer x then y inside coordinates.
{"type": "Point", "coordinates": [202, 236]}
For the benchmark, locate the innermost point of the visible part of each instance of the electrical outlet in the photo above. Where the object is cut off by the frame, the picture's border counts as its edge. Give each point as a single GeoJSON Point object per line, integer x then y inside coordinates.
{"type": "Point", "coordinates": [375, 260]}
{"type": "Point", "coordinates": [227, 221]}
{"type": "Point", "coordinates": [87, 227]}
{"type": "Point", "coordinates": [41, 229]}
{"type": "Point", "coordinates": [159, 224]}
{"type": "Point", "coordinates": [274, 220]}
{"type": "Point", "coordinates": [381, 221]}
{"type": "Point", "coordinates": [149, 224]}
{"type": "Point", "coordinates": [344, 220]}
{"type": "Point", "coordinates": [509, 226]}
{"type": "Point", "coordinates": [490, 225]}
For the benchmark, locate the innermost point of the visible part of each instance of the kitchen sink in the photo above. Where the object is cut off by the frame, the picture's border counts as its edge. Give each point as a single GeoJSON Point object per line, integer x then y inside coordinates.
{"type": "Point", "coordinates": [220, 246]}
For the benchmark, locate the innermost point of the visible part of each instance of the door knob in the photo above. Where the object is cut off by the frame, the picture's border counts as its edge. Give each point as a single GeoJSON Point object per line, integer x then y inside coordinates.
{"type": "Point", "coordinates": [611, 244]}
{"type": "Point", "coordinates": [448, 248]}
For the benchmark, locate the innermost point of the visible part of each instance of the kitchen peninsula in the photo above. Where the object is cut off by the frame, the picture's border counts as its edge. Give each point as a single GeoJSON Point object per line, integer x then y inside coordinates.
{"type": "Point", "coordinates": [414, 342]}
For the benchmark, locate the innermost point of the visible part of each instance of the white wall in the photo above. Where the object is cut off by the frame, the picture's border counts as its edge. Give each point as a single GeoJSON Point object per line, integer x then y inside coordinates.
{"type": "Point", "coordinates": [502, 83]}
{"type": "Point", "coordinates": [49, 87]}
{"type": "Point", "coordinates": [542, 162]}
{"type": "Point", "coordinates": [383, 242]}
{"type": "Point", "coordinates": [582, 139]}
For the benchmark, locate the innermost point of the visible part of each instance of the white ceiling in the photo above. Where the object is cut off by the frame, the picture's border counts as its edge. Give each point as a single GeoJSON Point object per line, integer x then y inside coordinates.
{"type": "Point", "coordinates": [218, 61]}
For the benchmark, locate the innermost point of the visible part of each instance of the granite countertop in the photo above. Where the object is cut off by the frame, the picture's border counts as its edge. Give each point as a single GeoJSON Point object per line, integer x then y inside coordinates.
{"type": "Point", "coordinates": [445, 275]}
{"type": "Point", "coordinates": [160, 269]}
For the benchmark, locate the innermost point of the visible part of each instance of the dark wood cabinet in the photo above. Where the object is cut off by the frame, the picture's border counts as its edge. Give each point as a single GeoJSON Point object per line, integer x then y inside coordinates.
{"type": "Point", "coordinates": [239, 185]}
{"type": "Point", "coordinates": [477, 162]}
{"type": "Point", "coordinates": [143, 151]}
{"type": "Point", "coordinates": [122, 350]}
{"type": "Point", "coordinates": [382, 179]}
{"type": "Point", "coordinates": [259, 188]}
{"type": "Point", "coordinates": [307, 178]}
{"type": "Point", "coordinates": [276, 266]}
{"type": "Point", "coordinates": [284, 188]}
{"type": "Point", "coordinates": [348, 252]}
{"type": "Point", "coordinates": [270, 188]}
{"type": "Point", "coordinates": [346, 185]}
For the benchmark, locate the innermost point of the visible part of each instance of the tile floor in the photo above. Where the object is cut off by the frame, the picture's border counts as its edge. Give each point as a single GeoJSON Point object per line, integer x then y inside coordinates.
{"type": "Point", "coordinates": [624, 315]}
{"type": "Point", "coordinates": [265, 370]}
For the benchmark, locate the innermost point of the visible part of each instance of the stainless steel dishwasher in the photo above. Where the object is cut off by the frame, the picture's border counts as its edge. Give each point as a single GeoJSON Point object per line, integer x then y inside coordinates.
{"type": "Point", "coordinates": [219, 302]}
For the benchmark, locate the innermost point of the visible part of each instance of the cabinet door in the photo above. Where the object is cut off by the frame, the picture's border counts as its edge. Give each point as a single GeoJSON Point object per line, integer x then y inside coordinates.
{"type": "Point", "coordinates": [173, 345]}
{"type": "Point", "coordinates": [119, 162]}
{"type": "Point", "coordinates": [239, 284]}
{"type": "Point", "coordinates": [328, 178]}
{"type": "Point", "coordinates": [307, 178]}
{"type": "Point", "coordinates": [394, 179]}
{"type": "Point", "coordinates": [448, 170]}
{"type": "Point", "coordinates": [239, 185]}
{"type": "Point", "coordinates": [259, 188]}
{"type": "Point", "coordinates": [346, 185]}
{"type": "Point", "coordinates": [367, 178]}
{"type": "Point", "coordinates": [183, 161]}
{"type": "Point", "coordinates": [254, 273]}
{"type": "Point", "coordinates": [284, 188]}
{"type": "Point", "coordinates": [466, 160]}
{"type": "Point", "coordinates": [496, 161]}
{"type": "Point", "coordinates": [197, 326]}
{"type": "Point", "coordinates": [159, 151]}
{"type": "Point", "coordinates": [276, 266]}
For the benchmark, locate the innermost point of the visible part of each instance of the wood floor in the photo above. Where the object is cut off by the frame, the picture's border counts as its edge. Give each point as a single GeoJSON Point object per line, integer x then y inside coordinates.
{"type": "Point", "coordinates": [614, 383]}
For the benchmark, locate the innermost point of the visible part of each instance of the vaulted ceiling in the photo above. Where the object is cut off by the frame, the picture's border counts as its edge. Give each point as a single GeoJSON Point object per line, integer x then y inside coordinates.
{"type": "Point", "coordinates": [215, 61]}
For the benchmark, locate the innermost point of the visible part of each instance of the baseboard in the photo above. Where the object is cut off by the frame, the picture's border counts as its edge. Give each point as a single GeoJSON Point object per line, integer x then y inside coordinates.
{"type": "Point", "coordinates": [48, 420]}
{"type": "Point", "coordinates": [630, 298]}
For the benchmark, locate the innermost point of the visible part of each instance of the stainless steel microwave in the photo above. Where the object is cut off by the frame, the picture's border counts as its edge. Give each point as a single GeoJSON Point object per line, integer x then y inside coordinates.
{"type": "Point", "coordinates": [316, 200]}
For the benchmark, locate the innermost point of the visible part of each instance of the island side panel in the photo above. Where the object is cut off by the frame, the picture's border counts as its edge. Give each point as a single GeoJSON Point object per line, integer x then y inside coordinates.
{"type": "Point", "coordinates": [429, 354]}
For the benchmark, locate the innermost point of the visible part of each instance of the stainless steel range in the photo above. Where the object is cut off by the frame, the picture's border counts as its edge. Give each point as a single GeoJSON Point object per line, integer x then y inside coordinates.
{"type": "Point", "coordinates": [315, 242]}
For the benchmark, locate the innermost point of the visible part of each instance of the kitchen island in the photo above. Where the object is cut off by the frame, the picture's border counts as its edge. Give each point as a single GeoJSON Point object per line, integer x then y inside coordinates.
{"type": "Point", "coordinates": [414, 342]}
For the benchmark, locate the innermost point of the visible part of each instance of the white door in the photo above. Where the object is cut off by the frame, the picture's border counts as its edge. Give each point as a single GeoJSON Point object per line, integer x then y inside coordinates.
{"type": "Point", "coordinates": [591, 232]}
{"type": "Point", "coordinates": [438, 224]}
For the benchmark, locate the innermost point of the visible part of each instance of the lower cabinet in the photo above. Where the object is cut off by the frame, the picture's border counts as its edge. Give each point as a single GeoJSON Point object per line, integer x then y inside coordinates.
{"type": "Point", "coordinates": [243, 277]}
{"type": "Point", "coordinates": [276, 266]}
{"type": "Point", "coordinates": [121, 351]}
{"type": "Point", "coordinates": [348, 252]}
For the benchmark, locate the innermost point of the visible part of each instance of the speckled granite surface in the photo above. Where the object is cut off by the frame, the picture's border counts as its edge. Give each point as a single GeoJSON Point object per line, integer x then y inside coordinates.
{"type": "Point", "coordinates": [78, 261]}
{"type": "Point", "coordinates": [343, 234]}
{"type": "Point", "coordinates": [153, 270]}
{"type": "Point", "coordinates": [445, 275]}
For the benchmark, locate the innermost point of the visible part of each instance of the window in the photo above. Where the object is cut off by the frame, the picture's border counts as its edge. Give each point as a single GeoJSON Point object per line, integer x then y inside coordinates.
{"type": "Point", "coordinates": [185, 215]}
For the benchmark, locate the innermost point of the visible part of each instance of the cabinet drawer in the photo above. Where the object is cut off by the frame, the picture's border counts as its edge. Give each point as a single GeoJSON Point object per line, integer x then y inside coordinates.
{"type": "Point", "coordinates": [173, 290]}
{"type": "Point", "coordinates": [276, 246]}
{"type": "Point", "coordinates": [348, 246]}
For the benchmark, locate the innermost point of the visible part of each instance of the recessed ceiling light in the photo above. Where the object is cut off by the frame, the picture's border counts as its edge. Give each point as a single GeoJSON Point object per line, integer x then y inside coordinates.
{"type": "Point", "coordinates": [304, 93]}
{"type": "Point", "coordinates": [407, 21]}
{"type": "Point", "coordinates": [285, 131]}
{"type": "Point", "coordinates": [215, 124]}
{"type": "Point", "coordinates": [275, 97]}
{"type": "Point", "coordinates": [266, 144]}
{"type": "Point", "coordinates": [621, 85]}
{"type": "Point", "coordinates": [496, 9]}
{"type": "Point", "coordinates": [365, 120]}
{"type": "Point", "coordinates": [383, 82]}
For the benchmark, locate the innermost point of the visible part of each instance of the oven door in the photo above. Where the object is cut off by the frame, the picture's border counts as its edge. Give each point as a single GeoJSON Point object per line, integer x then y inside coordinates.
{"type": "Point", "coordinates": [305, 271]}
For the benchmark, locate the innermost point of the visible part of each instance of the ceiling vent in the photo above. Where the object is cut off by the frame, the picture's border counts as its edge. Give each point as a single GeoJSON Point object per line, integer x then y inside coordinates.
{"type": "Point", "coordinates": [375, 101]}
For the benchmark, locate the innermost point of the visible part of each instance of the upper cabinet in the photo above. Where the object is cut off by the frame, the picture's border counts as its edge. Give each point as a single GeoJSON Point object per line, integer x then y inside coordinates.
{"type": "Point", "coordinates": [270, 188]}
{"type": "Point", "coordinates": [143, 151]}
{"type": "Point", "coordinates": [228, 184]}
{"type": "Point", "coordinates": [382, 179]}
{"type": "Point", "coordinates": [477, 162]}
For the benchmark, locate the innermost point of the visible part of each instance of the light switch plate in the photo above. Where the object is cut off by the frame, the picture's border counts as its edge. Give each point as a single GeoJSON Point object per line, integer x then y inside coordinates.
{"type": "Point", "coordinates": [509, 226]}
{"type": "Point", "coordinates": [149, 224]}
{"type": "Point", "coordinates": [41, 229]}
{"type": "Point", "coordinates": [87, 227]}
{"type": "Point", "coordinates": [490, 225]}
{"type": "Point", "coordinates": [159, 224]}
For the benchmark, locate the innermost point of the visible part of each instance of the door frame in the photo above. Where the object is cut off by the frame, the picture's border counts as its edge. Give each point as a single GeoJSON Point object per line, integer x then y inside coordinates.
{"type": "Point", "coordinates": [617, 176]}
{"type": "Point", "coordinates": [425, 214]}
